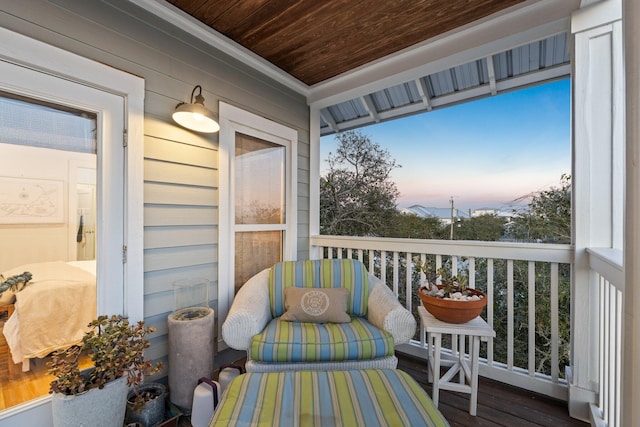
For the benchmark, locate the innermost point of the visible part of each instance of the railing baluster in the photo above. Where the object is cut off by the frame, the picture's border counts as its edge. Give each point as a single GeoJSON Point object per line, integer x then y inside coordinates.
{"type": "Point", "coordinates": [607, 338]}
{"type": "Point", "coordinates": [602, 314]}
{"type": "Point", "coordinates": [510, 314]}
{"type": "Point", "coordinates": [383, 266]}
{"type": "Point", "coordinates": [454, 265]}
{"type": "Point", "coordinates": [472, 272]}
{"type": "Point", "coordinates": [611, 366]}
{"type": "Point", "coordinates": [555, 331]}
{"type": "Point", "coordinates": [490, 308]}
{"type": "Point", "coordinates": [617, 398]}
{"type": "Point", "coordinates": [395, 272]}
{"type": "Point", "coordinates": [360, 255]}
{"type": "Point", "coordinates": [372, 255]}
{"type": "Point", "coordinates": [531, 311]}
{"type": "Point", "coordinates": [407, 281]}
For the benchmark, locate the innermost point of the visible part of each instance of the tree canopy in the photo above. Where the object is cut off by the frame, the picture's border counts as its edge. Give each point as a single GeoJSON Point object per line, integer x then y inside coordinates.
{"type": "Point", "coordinates": [357, 196]}
{"type": "Point", "coordinates": [549, 216]}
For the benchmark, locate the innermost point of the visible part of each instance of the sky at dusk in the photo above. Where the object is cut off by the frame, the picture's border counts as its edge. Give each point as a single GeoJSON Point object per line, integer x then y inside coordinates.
{"type": "Point", "coordinates": [485, 153]}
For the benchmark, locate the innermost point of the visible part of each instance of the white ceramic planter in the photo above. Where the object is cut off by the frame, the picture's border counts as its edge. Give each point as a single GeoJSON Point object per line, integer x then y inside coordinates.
{"type": "Point", "coordinates": [95, 408]}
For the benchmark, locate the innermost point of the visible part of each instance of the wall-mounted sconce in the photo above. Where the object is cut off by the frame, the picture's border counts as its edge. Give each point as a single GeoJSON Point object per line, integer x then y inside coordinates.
{"type": "Point", "coordinates": [195, 115]}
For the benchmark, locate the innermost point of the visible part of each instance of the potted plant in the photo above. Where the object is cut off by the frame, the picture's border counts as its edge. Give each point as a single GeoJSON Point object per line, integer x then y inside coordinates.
{"type": "Point", "coordinates": [146, 404]}
{"type": "Point", "coordinates": [451, 300]}
{"type": "Point", "coordinates": [97, 396]}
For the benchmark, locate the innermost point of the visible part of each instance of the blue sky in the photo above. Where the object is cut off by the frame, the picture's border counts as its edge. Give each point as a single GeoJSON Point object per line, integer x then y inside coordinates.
{"type": "Point", "coordinates": [484, 153]}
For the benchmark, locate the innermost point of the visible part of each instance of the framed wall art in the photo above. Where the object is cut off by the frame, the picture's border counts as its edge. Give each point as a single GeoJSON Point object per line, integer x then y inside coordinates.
{"type": "Point", "coordinates": [31, 201]}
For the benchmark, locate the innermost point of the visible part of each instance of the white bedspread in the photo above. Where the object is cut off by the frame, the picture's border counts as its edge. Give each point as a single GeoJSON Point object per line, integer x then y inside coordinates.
{"type": "Point", "coordinates": [52, 312]}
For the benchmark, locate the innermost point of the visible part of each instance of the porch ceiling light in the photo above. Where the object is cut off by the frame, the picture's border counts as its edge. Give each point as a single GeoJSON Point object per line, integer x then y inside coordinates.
{"type": "Point", "coordinates": [195, 115]}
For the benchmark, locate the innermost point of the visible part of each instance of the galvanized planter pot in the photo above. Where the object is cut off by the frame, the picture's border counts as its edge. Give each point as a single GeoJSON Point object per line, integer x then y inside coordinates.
{"type": "Point", "coordinates": [97, 407]}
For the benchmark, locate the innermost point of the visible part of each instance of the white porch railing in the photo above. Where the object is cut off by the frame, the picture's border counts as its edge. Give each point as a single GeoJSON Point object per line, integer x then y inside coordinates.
{"type": "Point", "coordinates": [526, 284]}
{"type": "Point", "coordinates": [606, 267]}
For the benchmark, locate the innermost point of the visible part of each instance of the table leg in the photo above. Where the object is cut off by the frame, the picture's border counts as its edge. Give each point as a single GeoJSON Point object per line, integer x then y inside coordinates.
{"type": "Point", "coordinates": [461, 350]}
{"type": "Point", "coordinates": [474, 342]}
{"type": "Point", "coordinates": [436, 367]}
{"type": "Point", "coordinates": [429, 358]}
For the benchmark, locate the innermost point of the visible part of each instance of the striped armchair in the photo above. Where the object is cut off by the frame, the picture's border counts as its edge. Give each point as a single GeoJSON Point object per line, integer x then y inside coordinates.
{"type": "Point", "coordinates": [378, 321]}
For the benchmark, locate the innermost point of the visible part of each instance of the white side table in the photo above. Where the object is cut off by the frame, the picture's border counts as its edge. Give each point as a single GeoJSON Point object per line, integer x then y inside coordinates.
{"type": "Point", "coordinates": [468, 375]}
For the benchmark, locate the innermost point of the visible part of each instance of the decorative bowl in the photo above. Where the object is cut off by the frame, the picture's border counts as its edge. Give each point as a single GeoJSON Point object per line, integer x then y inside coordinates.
{"type": "Point", "coordinates": [453, 311]}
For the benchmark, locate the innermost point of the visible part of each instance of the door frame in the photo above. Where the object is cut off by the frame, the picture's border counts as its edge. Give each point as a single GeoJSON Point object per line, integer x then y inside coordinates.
{"type": "Point", "coordinates": [26, 52]}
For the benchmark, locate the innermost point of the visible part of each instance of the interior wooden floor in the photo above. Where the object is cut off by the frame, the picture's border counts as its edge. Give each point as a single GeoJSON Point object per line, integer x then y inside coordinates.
{"type": "Point", "coordinates": [18, 387]}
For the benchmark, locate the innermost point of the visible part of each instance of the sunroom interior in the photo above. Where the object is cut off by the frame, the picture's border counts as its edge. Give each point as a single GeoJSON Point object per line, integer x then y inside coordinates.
{"type": "Point", "coordinates": [464, 54]}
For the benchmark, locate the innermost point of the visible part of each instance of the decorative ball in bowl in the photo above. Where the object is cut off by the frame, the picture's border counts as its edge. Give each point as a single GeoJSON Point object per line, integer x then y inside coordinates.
{"type": "Point", "coordinates": [453, 310]}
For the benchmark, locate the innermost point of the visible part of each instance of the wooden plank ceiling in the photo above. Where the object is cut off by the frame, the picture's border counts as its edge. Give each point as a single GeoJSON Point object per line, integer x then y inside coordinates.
{"type": "Point", "coordinates": [316, 40]}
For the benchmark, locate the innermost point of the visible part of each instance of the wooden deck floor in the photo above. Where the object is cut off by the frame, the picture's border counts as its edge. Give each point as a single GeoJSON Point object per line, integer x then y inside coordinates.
{"type": "Point", "coordinates": [498, 404]}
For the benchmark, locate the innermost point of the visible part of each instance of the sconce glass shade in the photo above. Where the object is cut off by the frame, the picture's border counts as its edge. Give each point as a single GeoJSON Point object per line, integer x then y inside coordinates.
{"type": "Point", "coordinates": [195, 115]}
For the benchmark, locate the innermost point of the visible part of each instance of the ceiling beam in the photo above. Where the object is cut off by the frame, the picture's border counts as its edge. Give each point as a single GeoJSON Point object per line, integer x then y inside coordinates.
{"type": "Point", "coordinates": [492, 75]}
{"type": "Point", "coordinates": [370, 107]}
{"type": "Point", "coordinates": [328, 118]}
{"type": "Point", "coordinates": [424, 93]}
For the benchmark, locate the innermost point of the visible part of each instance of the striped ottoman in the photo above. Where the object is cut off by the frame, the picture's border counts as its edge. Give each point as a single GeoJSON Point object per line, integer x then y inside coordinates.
{"type": "Point", "coordinates": [368, 397]}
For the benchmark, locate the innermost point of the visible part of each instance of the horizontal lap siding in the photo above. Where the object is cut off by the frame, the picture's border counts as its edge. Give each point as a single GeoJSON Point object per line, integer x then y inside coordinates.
{"type": "Point", "coordinates": [181, 225]}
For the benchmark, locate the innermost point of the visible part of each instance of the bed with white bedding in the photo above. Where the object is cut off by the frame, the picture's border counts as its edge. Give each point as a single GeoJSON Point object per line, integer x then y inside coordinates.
{"type": "Point", "coordinates": [52, 312]}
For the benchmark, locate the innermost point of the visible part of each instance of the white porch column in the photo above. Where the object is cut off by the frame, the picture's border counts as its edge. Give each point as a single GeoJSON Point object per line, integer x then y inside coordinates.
{"type": "Point", "coordinates": [314, 178]}
{"type": "Point", "coordinates": [631, 320]}
{"type": "Point", "coordinates": [598, 105]}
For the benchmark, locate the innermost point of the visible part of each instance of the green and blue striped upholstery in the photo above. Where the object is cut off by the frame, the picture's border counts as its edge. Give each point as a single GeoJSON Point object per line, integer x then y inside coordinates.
{"type": "Point", "coordinates": [283, 341]}
{"type": "Point", "coordinates": [370, 397]}
{"type": "Point", "coordinates": [325, 273]}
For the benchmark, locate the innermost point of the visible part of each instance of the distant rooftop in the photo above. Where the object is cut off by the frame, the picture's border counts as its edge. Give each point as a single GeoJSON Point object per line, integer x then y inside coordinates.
{"type": "Point", "coordinates": [444, 214]}
{"type": "Point", "coordinates": [433, 212]}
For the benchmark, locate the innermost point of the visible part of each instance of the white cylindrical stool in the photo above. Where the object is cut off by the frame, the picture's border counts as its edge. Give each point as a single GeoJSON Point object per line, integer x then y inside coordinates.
{"type": "Point", "coordinates": [191, 335]}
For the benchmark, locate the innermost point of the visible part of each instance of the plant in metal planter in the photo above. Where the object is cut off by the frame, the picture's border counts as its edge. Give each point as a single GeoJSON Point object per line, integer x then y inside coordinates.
{"type": "Point", "coordinates": [450, 301]}
{"type": "Point", "coordinates": [152, 411]}
{"type": "Point", "coordinates": [116, 349]}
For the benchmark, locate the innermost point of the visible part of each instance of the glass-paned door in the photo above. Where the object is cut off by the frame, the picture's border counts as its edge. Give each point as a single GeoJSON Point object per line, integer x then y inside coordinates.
{"type": "Point", "coordinates": [257, 199]}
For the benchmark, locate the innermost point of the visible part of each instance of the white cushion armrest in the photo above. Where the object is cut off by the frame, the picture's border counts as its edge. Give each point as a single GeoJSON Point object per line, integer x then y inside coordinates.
{"type": "Point", "coordinates": [249, 313]}
{"type": "Point", "coordinates": [385, 312]}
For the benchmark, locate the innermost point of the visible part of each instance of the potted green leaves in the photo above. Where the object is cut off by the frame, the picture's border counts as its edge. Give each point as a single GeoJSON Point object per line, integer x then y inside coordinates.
{"type": "Point", "coordinates": [97, 396]}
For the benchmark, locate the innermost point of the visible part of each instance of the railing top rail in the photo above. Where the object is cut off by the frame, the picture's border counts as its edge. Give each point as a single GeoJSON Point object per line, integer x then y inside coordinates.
{"type": "Point", "coordinates": [543, 252]}
{"type": "Point", "coordinates": [608, 263]}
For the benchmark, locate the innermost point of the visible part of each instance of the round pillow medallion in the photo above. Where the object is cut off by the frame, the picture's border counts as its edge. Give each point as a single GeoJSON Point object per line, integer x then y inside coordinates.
{"type": "Point", "coordinates": [315, 303]}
